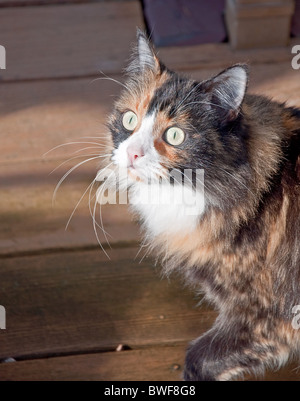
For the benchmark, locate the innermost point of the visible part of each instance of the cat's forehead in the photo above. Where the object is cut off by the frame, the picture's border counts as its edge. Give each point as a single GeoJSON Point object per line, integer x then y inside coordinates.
{"type": "Point", "coordinates": [154, 94]}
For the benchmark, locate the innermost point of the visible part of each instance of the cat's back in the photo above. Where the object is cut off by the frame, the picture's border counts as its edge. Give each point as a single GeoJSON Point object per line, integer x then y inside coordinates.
{"type": "Point", "coordinates": [275, 123]}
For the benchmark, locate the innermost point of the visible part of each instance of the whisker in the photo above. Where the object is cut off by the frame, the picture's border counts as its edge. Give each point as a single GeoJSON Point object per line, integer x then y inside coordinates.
{"type": "Point", "coordinates": [68, 173]}
{"type": "Point", "coordinates": [100, 136]}
{"type": "Point", "coordinates": [90, 147]}
{"type": "Point", "coordinates": [89, 203]}
{"type": "Point", "coordinates": [70, 143]}
{"type": "Point", "coordinates": [143, 245]}
{"type": "Point", "coordinates": [96, 232]}
{"type": "Point", "coordinates": [90, 199]}
{"type": "Point", "coordinates": [75, 208]}
{"type": "Point", "coordinates": [108, 79]}
{"type": "Point", "coordinates": [90, 209]}
{"type": "Point", "coordinates": [148, 250]}
{"type": "Point", "coordinates": [72, 158]}
{"type": "Point", "coordinates": [124, 85]}
{"type": "Point", "coordinates": [100, 211]}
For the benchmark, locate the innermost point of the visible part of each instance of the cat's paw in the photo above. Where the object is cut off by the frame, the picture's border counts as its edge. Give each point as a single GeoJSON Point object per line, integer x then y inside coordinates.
{"type": "Point", "coordinates": [196, 367]}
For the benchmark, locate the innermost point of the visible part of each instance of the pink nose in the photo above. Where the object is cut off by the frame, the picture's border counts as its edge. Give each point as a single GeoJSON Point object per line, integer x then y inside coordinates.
{"type": "Point", "coordinates": [134, 152]}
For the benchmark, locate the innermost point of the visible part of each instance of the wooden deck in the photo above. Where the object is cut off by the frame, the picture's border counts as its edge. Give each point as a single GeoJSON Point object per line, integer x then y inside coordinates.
{"type": "Point", "coordinates": [69, 308]}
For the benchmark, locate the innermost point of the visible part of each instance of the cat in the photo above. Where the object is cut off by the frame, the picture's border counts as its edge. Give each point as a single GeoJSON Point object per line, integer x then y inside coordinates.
{"type": "Point", "coordinates": [241, 247]}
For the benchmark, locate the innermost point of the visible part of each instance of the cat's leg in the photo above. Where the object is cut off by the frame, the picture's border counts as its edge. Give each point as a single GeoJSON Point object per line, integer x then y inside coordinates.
{"type": "Point", "coordinates": [227, 354]}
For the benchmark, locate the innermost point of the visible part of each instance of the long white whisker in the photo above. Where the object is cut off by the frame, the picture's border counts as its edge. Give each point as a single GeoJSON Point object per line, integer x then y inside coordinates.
{"type": "Point", "coordinates": [72, 158]}
{"type": "Point", "coordinates": [148, 250]}
{"type": "Point", "coordinates": [93, 218]}
{"type": "Point", "coordinates": [90, 200]}
{"type": "Point", "coordinates": [70, 143]}
{"type": "Point", "coordinates": [108, 79]}
{"type": "Point", "coordinates": [72, 214]}
{"type": "Point", "coordinates": [100, 210]}
{"type": "Point", "coordinates": [95, 230]}
{"type": "Point", "coordinates": [68, 173]}
{"type": "Point", "coordinates": [143, 245]}
{"type": "Point", "coordinates": [90, 147]}
{"type": "Point", "coordinates": [113, 80]}
{"type": "Point", "coordinates": [90, 209]}
{"type": "Point", "coordinates": [103, 135]}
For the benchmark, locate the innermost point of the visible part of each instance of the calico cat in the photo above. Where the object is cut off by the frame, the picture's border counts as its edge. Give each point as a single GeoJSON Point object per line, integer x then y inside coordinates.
{"type": "Point", "coordinates": [242, 247]}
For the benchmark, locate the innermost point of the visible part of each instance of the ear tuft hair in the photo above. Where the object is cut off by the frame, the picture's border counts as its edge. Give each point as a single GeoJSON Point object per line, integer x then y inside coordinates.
{"type": "Point", "coordinates": [227, 91]}
{"type": "Point", "coordinates": [147, 58]}
{"type": "Point", "coordinates": [144, 57]}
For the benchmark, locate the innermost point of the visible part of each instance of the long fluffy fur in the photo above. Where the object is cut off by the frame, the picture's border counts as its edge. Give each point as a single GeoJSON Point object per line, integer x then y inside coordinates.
{"type": "Point", "coordinates": [244, 250]}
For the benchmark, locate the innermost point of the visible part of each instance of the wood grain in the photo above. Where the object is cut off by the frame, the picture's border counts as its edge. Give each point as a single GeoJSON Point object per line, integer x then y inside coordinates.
{"type": "Point", "coordinates": [80, 40]}
{"type": "Point", "coordinates": [75, 40]}
{"type": "Point", "coordinates": [81, 301]}
{"type": "Point", "coordinates": [66, 302]}
{"type": "Point", "coordinates": [31, 223]}
{"type": "Point", "coordinates": [37, 116]}
{"type": "Point", "coordinates": [161, 363]}
{"type": "Point", "coordinates": [220, 55]}
{"type": "Point", "coordinates": [23, 3]}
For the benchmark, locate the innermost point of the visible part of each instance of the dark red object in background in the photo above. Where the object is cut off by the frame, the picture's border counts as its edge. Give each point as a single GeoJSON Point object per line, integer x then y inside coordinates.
{"type": "Point", "coordinates": [185, 22]}
{"type": "Point", "coordinates": [296, 20]}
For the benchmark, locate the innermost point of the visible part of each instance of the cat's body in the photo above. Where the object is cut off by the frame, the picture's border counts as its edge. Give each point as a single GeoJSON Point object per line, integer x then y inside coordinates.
{"type": "Point", "coordinates": [243, 248]}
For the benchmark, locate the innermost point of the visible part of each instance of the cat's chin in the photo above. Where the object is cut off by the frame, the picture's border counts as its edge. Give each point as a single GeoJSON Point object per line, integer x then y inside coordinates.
{"type": "Point", "coordinates": [135, 176]}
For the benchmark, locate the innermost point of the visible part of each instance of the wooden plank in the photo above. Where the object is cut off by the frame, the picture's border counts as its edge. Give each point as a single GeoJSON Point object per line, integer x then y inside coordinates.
{"type": "Point", "coordinates": [80, 40]}
{"type": "Point", "coordinates": [22, 3]}
{"type": "Point", "coordinates": [147, 364]}
{"type": "Point", "coordinates": [72, 40]}
{"type": "Point", "coordinates": [81, 302]}
{"type": "Point", "coordinates": [30, 223]}
{"type": "Point", "coordinates": [151, 364]}
{"type": "Point", "coordinates": [37, 116]}
{"type": "Point", "coordinates": [220, 55]}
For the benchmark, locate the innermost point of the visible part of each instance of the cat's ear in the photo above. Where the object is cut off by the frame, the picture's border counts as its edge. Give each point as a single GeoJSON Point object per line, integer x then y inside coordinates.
{"type": "Point", "coordinates": [226, 92]}
{"type": "Point", "coordinates": [147, 57]}
{"type": "Point", "coordinates": [144, 57]}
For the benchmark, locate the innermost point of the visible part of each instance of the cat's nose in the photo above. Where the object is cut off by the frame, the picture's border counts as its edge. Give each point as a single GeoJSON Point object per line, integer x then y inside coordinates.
{"type": "Point", "coordinates": [134, 153]}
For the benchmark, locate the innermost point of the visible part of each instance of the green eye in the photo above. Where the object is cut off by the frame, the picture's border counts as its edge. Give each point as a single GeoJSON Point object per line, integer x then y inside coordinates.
{"type": "Point", "coordinates": [130, 120]}
{"type": "Point", "coordinates": [174, 136]}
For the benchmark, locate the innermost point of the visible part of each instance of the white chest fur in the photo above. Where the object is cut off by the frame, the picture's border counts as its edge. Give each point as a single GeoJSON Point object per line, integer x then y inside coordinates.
{"type": "Point", "coordinates": [166, 209]}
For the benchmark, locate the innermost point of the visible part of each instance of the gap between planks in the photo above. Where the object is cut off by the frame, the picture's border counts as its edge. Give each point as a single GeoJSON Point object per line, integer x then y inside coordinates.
{"type": "Point", "coordinates": [160, 363]}
{"type": "Point", "coordinates": [83, 302]}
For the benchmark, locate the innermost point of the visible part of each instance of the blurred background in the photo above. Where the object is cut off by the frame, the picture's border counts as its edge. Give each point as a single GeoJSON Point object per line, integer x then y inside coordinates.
{"type": "Point", "coordinates": [72, 313]}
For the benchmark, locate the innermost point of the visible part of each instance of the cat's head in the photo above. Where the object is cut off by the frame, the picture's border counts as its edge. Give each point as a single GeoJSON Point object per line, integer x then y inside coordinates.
{"type": "Point", "coordinates": [165, 122]}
